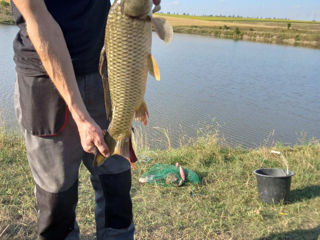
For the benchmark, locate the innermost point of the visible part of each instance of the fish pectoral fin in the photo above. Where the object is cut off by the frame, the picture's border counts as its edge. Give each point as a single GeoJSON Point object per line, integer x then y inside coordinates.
{"type": "Point", "coordinates": [103, 69]}
{"type": "Point", "coordinates": [103, 63]}
{"type": "Point", "coordinates": [156, 8]}
{"type": "Point", "coordinates": [142, 113]}
{"type": "Point", "coordinates": [163, 29]}
{"type": "Point", "coordinates": [153, 67]}
{"type": "Point", "coordinates": [124, 148]}
{"type": "Point", "coordinates": [111, 143]}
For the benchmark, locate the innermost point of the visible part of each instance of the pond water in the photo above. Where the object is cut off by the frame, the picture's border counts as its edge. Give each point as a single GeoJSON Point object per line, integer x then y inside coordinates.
{"type": "Point", "coordinates": [254, 92]}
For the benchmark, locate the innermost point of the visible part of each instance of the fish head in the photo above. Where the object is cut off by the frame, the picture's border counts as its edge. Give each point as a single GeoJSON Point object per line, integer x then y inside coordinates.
{"type": "Point", "coordinates": [137, 8]}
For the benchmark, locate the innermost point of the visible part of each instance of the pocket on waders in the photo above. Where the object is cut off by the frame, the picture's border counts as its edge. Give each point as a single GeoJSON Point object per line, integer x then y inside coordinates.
{"type": "Point", "coordinates": [43, 111]}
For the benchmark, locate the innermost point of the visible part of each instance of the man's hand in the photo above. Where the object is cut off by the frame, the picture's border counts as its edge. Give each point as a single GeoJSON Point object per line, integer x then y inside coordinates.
{"type": "Point", "coordinates": [92, 138]}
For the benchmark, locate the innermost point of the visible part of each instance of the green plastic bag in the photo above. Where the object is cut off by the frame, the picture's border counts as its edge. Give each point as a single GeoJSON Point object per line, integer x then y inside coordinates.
{"type": "Point", "coordinates": [168, 175]}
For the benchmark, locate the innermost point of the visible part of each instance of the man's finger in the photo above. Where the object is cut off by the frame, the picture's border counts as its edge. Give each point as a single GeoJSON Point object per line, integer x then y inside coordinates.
{"type": "Point", "coordinates": [102, 147]}
{"type": "Point", "coordinates": [91, 149]}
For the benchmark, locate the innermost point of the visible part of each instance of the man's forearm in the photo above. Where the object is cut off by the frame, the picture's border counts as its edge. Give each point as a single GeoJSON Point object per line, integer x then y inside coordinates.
{"type": "Point", "coordinates": [49, 42]}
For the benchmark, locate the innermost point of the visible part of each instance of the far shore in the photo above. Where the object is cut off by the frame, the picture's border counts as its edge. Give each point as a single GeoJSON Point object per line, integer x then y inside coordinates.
{"type": "Point", "coordinates": [275, 31]}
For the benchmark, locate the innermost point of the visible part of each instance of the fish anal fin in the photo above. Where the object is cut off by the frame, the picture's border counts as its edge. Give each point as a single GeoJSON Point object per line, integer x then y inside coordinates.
{"type": "Point", "coordinates": [124, 149]}
{"type": "Point", "coordinates": [163, 29]}
{"type": "Point", "coordinates": [153, 67]}
{"type": "Point", "coordinates": [142, 113]}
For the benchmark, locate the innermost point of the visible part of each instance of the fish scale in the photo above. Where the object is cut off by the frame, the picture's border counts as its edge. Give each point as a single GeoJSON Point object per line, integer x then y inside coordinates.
{"type": "Point", "coordinates": [128, 43]}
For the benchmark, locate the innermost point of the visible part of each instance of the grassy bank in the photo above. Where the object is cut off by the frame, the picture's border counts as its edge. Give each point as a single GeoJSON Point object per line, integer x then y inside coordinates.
{"type": "Point", "coordinates": [5, 13]}
{"type": "Point", "coordinates": [224, 206]}
{"type": "Point", "coordinates": [276, 31]}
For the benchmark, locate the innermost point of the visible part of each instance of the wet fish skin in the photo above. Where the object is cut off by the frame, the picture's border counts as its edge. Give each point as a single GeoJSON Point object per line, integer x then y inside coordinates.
{"type": "Point", "coordinates": [127, 53]}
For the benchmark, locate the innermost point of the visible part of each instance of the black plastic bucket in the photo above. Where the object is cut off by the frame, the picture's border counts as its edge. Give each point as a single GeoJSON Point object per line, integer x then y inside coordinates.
{"type": "Point", "coordinates": [273, 184]}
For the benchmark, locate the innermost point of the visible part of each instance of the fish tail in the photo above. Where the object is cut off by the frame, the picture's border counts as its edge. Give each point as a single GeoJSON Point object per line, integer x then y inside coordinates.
{"type": "Point", "coordinates": [124, 148]}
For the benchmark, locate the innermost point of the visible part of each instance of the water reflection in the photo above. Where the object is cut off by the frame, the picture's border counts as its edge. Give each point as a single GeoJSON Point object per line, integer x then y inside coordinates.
{"type": "Point", "coordinates": [250, 89]}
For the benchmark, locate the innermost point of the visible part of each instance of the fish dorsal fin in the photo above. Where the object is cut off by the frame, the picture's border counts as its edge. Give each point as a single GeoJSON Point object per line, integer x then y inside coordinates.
{"type": "Point", "coordinates": [153, 67]}
{"type": "Point", "coordinates": [163, 29]}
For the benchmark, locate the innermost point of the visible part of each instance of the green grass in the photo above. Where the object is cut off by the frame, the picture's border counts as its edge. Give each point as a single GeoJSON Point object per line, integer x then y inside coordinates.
{"type": "Point", "coordinates": [5, 13]}
{"type": "Point", "coordinates": [224, 206]}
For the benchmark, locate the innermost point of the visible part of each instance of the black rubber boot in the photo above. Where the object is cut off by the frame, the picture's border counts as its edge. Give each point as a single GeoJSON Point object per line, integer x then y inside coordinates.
{"type": "Point", "coordinates": [118, 205]}
{"type": "Point", "coordinates": [56, 213]}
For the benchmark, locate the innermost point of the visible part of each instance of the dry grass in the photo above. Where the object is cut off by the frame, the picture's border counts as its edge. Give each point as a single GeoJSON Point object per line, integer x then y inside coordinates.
{"type": "Point", "coordinates": [224, 206]}
{"type": "Point", "coordinates": [178, 21]}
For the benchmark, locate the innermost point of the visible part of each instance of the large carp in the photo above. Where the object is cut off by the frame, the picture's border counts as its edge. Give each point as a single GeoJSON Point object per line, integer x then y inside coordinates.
{"type": "Point", "coordinates": [124, 65]}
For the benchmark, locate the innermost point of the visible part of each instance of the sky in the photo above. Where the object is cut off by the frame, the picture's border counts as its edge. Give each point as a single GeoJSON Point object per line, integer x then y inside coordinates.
{"type": "Point", "coordinates": [291, 9]}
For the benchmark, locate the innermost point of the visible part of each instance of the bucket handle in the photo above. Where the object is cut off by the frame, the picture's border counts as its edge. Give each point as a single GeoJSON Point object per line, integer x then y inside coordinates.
{"type": "Point", "coordinates": [284, 160]}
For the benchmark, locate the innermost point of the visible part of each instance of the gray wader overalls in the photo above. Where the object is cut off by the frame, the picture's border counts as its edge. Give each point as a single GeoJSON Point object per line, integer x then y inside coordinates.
{"type": "Point", "coordinates": [55, 154]}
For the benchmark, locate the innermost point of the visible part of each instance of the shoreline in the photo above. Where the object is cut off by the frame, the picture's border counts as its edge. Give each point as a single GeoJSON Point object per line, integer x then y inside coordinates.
{"type": "Point", "coordinates": [259, 37]}
{"type": "Point", "coordinates": [272, 31]}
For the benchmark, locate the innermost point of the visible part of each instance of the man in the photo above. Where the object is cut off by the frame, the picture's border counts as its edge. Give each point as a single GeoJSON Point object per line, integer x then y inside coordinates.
{"type": "Point", "coordinates": [59, 104]}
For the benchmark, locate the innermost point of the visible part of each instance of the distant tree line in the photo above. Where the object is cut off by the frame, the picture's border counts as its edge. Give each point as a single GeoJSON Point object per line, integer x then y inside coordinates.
{"type": "Point", "coordinates": [238, 16]}
{"type": "Point", "coordinates": [187, 14]}
{"type": "Point", "coordinates": [229, 16]}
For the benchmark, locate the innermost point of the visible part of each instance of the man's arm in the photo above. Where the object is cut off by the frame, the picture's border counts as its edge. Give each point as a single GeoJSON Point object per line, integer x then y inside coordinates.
{"type": "Point", "coordinates": [48, 40]}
